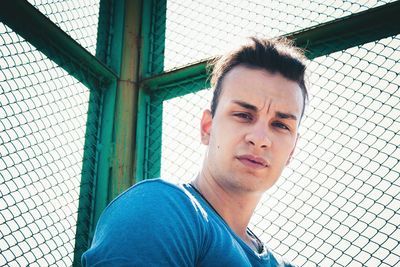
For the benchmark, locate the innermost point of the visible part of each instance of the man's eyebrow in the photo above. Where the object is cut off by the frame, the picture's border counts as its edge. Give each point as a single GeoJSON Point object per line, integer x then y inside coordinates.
{"type": "Point", "coordinates": [245, 105]}
{"type": "Point", "coordinates": [283, 115]}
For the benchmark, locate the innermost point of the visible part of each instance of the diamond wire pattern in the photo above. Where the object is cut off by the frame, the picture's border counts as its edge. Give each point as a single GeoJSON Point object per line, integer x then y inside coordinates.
{"type": "Point", "coordinates": [199, 29]}
{"type": "Point", "coordinates": [79, 19]}
{"type": "Point", "coordinates": [181, 148]}
{"type": "Point", "coordinates": [43, 118]}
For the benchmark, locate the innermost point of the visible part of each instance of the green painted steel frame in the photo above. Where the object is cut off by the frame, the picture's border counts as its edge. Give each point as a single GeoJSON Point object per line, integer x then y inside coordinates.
{"type": "Point", "coordinates": [118, 35]}
{"type": "Point", "coordinates": [126, 102]}
{"type": "Point", "coordinates": [113, 74]}
{"type": "Point", "coordinates": [323, 39]}
{"type": "Point", "coordinates": [109, 47]}
{"type": "Point", "coordinates": [55, 43]}
{"type": "Point", "coordinates": [152, 9]}
{"type": "Point", "coordinates": [356, 29]}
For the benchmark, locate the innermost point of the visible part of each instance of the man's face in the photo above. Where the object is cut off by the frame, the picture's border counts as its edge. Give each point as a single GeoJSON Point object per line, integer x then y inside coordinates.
{"type": "Point", "coordinates": [254, 130]}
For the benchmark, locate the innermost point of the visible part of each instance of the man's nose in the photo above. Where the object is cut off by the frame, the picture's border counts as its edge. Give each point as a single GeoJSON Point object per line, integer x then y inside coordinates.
{"type": "Point", "coordinates": [259, 136]}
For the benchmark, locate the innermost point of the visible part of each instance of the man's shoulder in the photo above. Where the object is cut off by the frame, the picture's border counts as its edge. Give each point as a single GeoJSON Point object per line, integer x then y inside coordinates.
{"type": "Point", "coordinates": [157, 193]}
{"type": "Point", "coordinates": [152, 186]}
{"type": "Point", "coordinates": [155, 218]}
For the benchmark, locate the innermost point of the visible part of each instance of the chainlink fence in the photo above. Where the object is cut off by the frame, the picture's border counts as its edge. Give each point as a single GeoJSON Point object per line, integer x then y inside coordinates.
{"type": "Point", "coordinates": [336, 204]}
{"type": "Point", "coordinates": [199, 29]}
{"type": "Point", "coordinates": [48, 137]}
{"type": "Point", "coordinates": [79, 19]}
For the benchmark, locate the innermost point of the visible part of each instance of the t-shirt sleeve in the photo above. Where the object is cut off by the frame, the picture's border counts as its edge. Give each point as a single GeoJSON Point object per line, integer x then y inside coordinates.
{"type": "Point", "coordinates": [151, 224]}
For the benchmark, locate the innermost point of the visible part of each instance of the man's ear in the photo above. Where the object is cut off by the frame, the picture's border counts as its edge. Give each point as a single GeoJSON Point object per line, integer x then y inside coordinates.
{"type": "Point", "coordinates": [291, 153]}
{"type": "Point", "coordinates": [205, 126]}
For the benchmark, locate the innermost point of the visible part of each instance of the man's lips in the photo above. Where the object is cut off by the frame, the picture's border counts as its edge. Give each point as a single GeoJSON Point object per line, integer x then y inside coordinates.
{"type": "Point", "coordinates": [253, 161]}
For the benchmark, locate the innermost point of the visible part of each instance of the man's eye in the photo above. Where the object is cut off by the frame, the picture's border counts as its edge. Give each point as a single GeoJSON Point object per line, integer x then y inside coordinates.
{"type": "Point", "coordinates": [280, 125]}
{"type": "Point", "coordinates": [245, 116]}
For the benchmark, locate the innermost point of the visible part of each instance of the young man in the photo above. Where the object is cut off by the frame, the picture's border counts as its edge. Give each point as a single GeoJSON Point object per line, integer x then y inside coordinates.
{"type": "Point", "coordinates": [251, 133]}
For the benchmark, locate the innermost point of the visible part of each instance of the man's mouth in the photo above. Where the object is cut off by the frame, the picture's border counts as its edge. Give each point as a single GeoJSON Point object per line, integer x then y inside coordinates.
{"type": "Point", "coordinates": [253, 161]}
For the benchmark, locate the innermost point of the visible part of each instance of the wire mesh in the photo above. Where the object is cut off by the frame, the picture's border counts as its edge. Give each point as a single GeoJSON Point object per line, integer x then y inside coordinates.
{"type": "Point", "coordinates": [157, 39]}
{"type": "Point", "coordinates": [47, 139]}
{"type": "Point", "coordinates": [168, 141]}
{"type": "Point", "coordinates": [338, 202]}
{"type": "Point", "coordinates": [336, 205]}
{"type": "Point", "coordinates": [196, 29]}
{"type": "Point", "coordinates": [79, 19]}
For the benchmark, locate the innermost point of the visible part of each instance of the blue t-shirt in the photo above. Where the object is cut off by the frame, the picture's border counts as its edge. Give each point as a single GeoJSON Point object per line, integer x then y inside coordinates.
{"type": "Point", "coordinates": [156, 223]}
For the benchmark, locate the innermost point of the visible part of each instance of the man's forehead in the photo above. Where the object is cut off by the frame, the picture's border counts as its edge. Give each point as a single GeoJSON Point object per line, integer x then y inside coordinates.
{"type": "Point", "coordinates": [258, 87]}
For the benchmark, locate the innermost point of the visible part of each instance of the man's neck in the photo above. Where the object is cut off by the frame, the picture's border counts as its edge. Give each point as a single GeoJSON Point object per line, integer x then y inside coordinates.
{"type": "Point", "coordinates": [235, 207]}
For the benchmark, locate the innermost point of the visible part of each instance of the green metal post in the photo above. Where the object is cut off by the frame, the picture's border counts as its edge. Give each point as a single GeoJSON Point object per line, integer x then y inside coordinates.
{"type": "Point", "coordinates": [355, 29]}
{"type": "Point", "coordinates": [97, 195]}
{"type": "Point", "coordinates": [110, 34]}
{"type": "Point", "coordinates": [152, 61]}
{"type": "Point", "coordinates": [153, 159]}
{"type": "Point", "coordinates": [83, 225]}
{"type": "Point", "coordinates": [142, 135]}
{"type": "Point", "coordinates": [126, 102]}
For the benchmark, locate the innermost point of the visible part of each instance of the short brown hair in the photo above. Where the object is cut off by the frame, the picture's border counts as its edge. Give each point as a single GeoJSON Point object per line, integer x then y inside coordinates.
{"type": "Point", "coordinates": [274, 55]}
